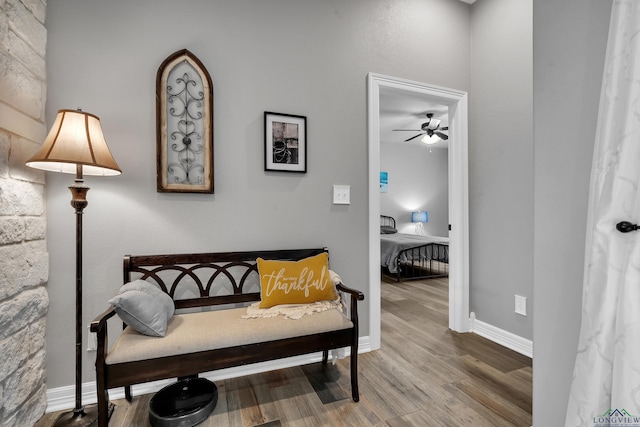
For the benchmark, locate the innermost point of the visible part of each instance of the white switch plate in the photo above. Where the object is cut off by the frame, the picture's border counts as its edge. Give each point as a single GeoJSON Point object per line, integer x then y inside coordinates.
{"type": "Point", "coordinates": [521, 305]}
{"type": "Point", "coordinates": [341, 194]}
{"type": "Point", "coordinates": [92, 341]}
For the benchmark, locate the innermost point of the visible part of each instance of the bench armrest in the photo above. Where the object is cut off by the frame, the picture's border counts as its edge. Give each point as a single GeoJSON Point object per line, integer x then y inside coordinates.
{"type": "Point", "coordinates": [354, 293]}
{"type": "Point", "coordinates": [355, 296]}
{"type": "Point", "coordinates": [100, 321]}
{"type": "Point", "coordinates": [99, 327]}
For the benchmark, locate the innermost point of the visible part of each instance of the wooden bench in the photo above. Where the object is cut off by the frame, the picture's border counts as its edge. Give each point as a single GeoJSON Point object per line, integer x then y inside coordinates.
{"type": "Point", "coordinates": [210, 292]}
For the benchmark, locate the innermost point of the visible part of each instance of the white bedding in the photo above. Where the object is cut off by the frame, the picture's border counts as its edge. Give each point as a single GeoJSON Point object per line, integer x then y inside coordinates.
{"type": "Point", "coordinates": [392, 244]}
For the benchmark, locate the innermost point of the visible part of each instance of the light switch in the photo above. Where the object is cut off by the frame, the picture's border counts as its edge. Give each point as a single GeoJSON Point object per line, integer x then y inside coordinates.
{"type": "Point", "coordinates": [341, 194]}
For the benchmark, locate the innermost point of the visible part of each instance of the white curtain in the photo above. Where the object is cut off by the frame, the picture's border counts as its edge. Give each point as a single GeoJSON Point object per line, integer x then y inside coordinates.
{"type": "Point", "coordinates": [606, 379]}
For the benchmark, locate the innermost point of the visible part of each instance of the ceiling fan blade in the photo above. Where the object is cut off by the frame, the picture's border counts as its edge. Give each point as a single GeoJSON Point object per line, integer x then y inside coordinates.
{"type": "Point", "coordinates": [442, 136]}
{"type": "Point", "coordinates": [420, 134]}
{"type": "Point", "coordinates": [407, 130]}
{"type": "Point", "coordinates": [445, 128]}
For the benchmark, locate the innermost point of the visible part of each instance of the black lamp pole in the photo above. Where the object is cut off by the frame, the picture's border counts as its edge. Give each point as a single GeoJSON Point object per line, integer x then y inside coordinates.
{"type": "Point", "coordinates": [80, 416]}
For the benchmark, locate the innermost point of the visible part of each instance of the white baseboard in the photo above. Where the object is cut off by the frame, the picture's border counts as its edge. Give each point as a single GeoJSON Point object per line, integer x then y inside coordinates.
{"type": "Point", "coordinates": [61, 398]}
{"type": "Point", "coordinates": [500, 336]}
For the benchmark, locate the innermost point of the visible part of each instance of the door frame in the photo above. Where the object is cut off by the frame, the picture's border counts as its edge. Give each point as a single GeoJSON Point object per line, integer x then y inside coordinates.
{"type": "Point", "coordinates": [457, 103]}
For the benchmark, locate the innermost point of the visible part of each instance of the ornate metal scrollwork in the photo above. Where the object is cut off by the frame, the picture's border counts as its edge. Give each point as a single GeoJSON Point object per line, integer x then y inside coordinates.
{"type": "Point", "coordinates": [187, 169]}
{"type": "Point", "coordinates": [185, 125]}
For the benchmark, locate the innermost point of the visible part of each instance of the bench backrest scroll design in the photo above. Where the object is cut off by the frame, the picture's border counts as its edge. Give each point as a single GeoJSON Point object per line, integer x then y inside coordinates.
{"type": "Point", "coordinates": [207, 279]}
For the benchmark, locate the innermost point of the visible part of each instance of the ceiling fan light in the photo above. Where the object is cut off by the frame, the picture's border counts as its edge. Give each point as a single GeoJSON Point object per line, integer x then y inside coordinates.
{"type": "Point", "coordinates": [430, 139]}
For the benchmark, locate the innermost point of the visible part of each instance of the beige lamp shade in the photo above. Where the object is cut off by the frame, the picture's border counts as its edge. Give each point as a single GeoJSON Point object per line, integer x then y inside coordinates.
{"type": "Point", "coordinates": [75, 139]}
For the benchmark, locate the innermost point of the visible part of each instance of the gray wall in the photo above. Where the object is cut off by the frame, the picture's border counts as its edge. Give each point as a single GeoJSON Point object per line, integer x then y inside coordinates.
{"type": "Point", "coordinates": [418, 180]}
{"type": "Point", "coordinates": [501, 163]}
{"type": "Point", "coordinates": [300, 57]}
{"type": "Point", "coordinates": [569, 48]}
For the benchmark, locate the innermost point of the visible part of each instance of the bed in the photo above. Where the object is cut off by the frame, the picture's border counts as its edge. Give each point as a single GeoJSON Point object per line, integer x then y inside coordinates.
{"type": "Point", "coordinates": [412, 256]}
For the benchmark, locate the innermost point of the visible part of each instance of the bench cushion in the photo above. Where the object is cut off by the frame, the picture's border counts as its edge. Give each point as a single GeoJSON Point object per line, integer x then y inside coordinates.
{"type": "Point", "coordinates": [193, 332]}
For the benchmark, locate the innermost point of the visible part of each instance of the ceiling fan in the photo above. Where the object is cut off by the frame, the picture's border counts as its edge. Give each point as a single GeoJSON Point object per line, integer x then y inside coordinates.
{"type": "Point", "coordinates": [430, 127]}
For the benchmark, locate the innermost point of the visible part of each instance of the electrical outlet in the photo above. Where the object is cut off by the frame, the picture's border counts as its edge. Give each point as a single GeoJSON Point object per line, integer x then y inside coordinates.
{"type": "Point", "coordinates": [521, 305]}
{"type": "Point", "coordinates": [341, 194]}
{"type": "Point", "coordinates": [92, 341]}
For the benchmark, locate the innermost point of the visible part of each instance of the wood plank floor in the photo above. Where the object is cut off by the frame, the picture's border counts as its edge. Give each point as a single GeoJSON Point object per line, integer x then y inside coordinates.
{"type": "Point", "coordinates": [424, 375]}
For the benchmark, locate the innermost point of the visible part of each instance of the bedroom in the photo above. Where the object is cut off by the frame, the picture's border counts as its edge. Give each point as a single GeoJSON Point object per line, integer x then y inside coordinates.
{"type": "Point", "coordinates": [417, 179]}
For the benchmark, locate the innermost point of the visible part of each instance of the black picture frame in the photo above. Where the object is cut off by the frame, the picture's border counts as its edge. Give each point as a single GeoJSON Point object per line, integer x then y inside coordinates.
{"type": "Point", "coordinates": [285, 142]}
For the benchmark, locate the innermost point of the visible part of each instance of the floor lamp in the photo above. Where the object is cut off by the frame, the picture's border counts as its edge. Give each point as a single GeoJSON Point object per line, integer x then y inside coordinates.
{"type": "Point", "coordinates": [75, 144]}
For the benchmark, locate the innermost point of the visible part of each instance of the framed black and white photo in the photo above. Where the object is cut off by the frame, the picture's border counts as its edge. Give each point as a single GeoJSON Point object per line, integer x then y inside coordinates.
{"type": "Point", "coordinates": [285, 142]}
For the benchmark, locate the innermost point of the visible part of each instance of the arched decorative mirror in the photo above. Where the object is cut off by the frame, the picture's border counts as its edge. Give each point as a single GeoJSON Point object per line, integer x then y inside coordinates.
{"type": "Point", "coordinates": [184, 125]}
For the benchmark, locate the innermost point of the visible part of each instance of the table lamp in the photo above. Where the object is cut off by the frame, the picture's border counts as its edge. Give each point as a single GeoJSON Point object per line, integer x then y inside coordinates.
{"type": "Point", "coordinates": [419, 218]}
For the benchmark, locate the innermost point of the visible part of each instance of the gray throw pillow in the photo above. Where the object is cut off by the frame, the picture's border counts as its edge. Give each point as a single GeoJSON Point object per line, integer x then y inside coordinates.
{"type": "Point", "coordinates": [144, 307]}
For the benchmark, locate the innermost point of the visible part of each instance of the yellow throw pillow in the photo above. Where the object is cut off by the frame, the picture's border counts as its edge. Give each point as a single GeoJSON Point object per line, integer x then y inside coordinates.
{"type": "Point", "coordinates": [295, 282]}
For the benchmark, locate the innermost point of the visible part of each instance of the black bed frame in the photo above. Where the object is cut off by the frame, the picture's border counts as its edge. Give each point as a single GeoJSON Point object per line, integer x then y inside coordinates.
{"type": "Point", "coordinates": [427, 261]}
{"type": "Point", "coordinates": [387, 220]}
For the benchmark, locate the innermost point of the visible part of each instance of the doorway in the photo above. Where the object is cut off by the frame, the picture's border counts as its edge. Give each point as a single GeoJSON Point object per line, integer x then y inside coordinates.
{"type": "Point", "coordinates": [456, 103]}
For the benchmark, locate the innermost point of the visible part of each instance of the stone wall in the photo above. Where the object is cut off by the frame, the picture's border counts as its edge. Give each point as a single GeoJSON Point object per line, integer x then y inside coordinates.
{"type": "Point", "coordinates": [24, 261]}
